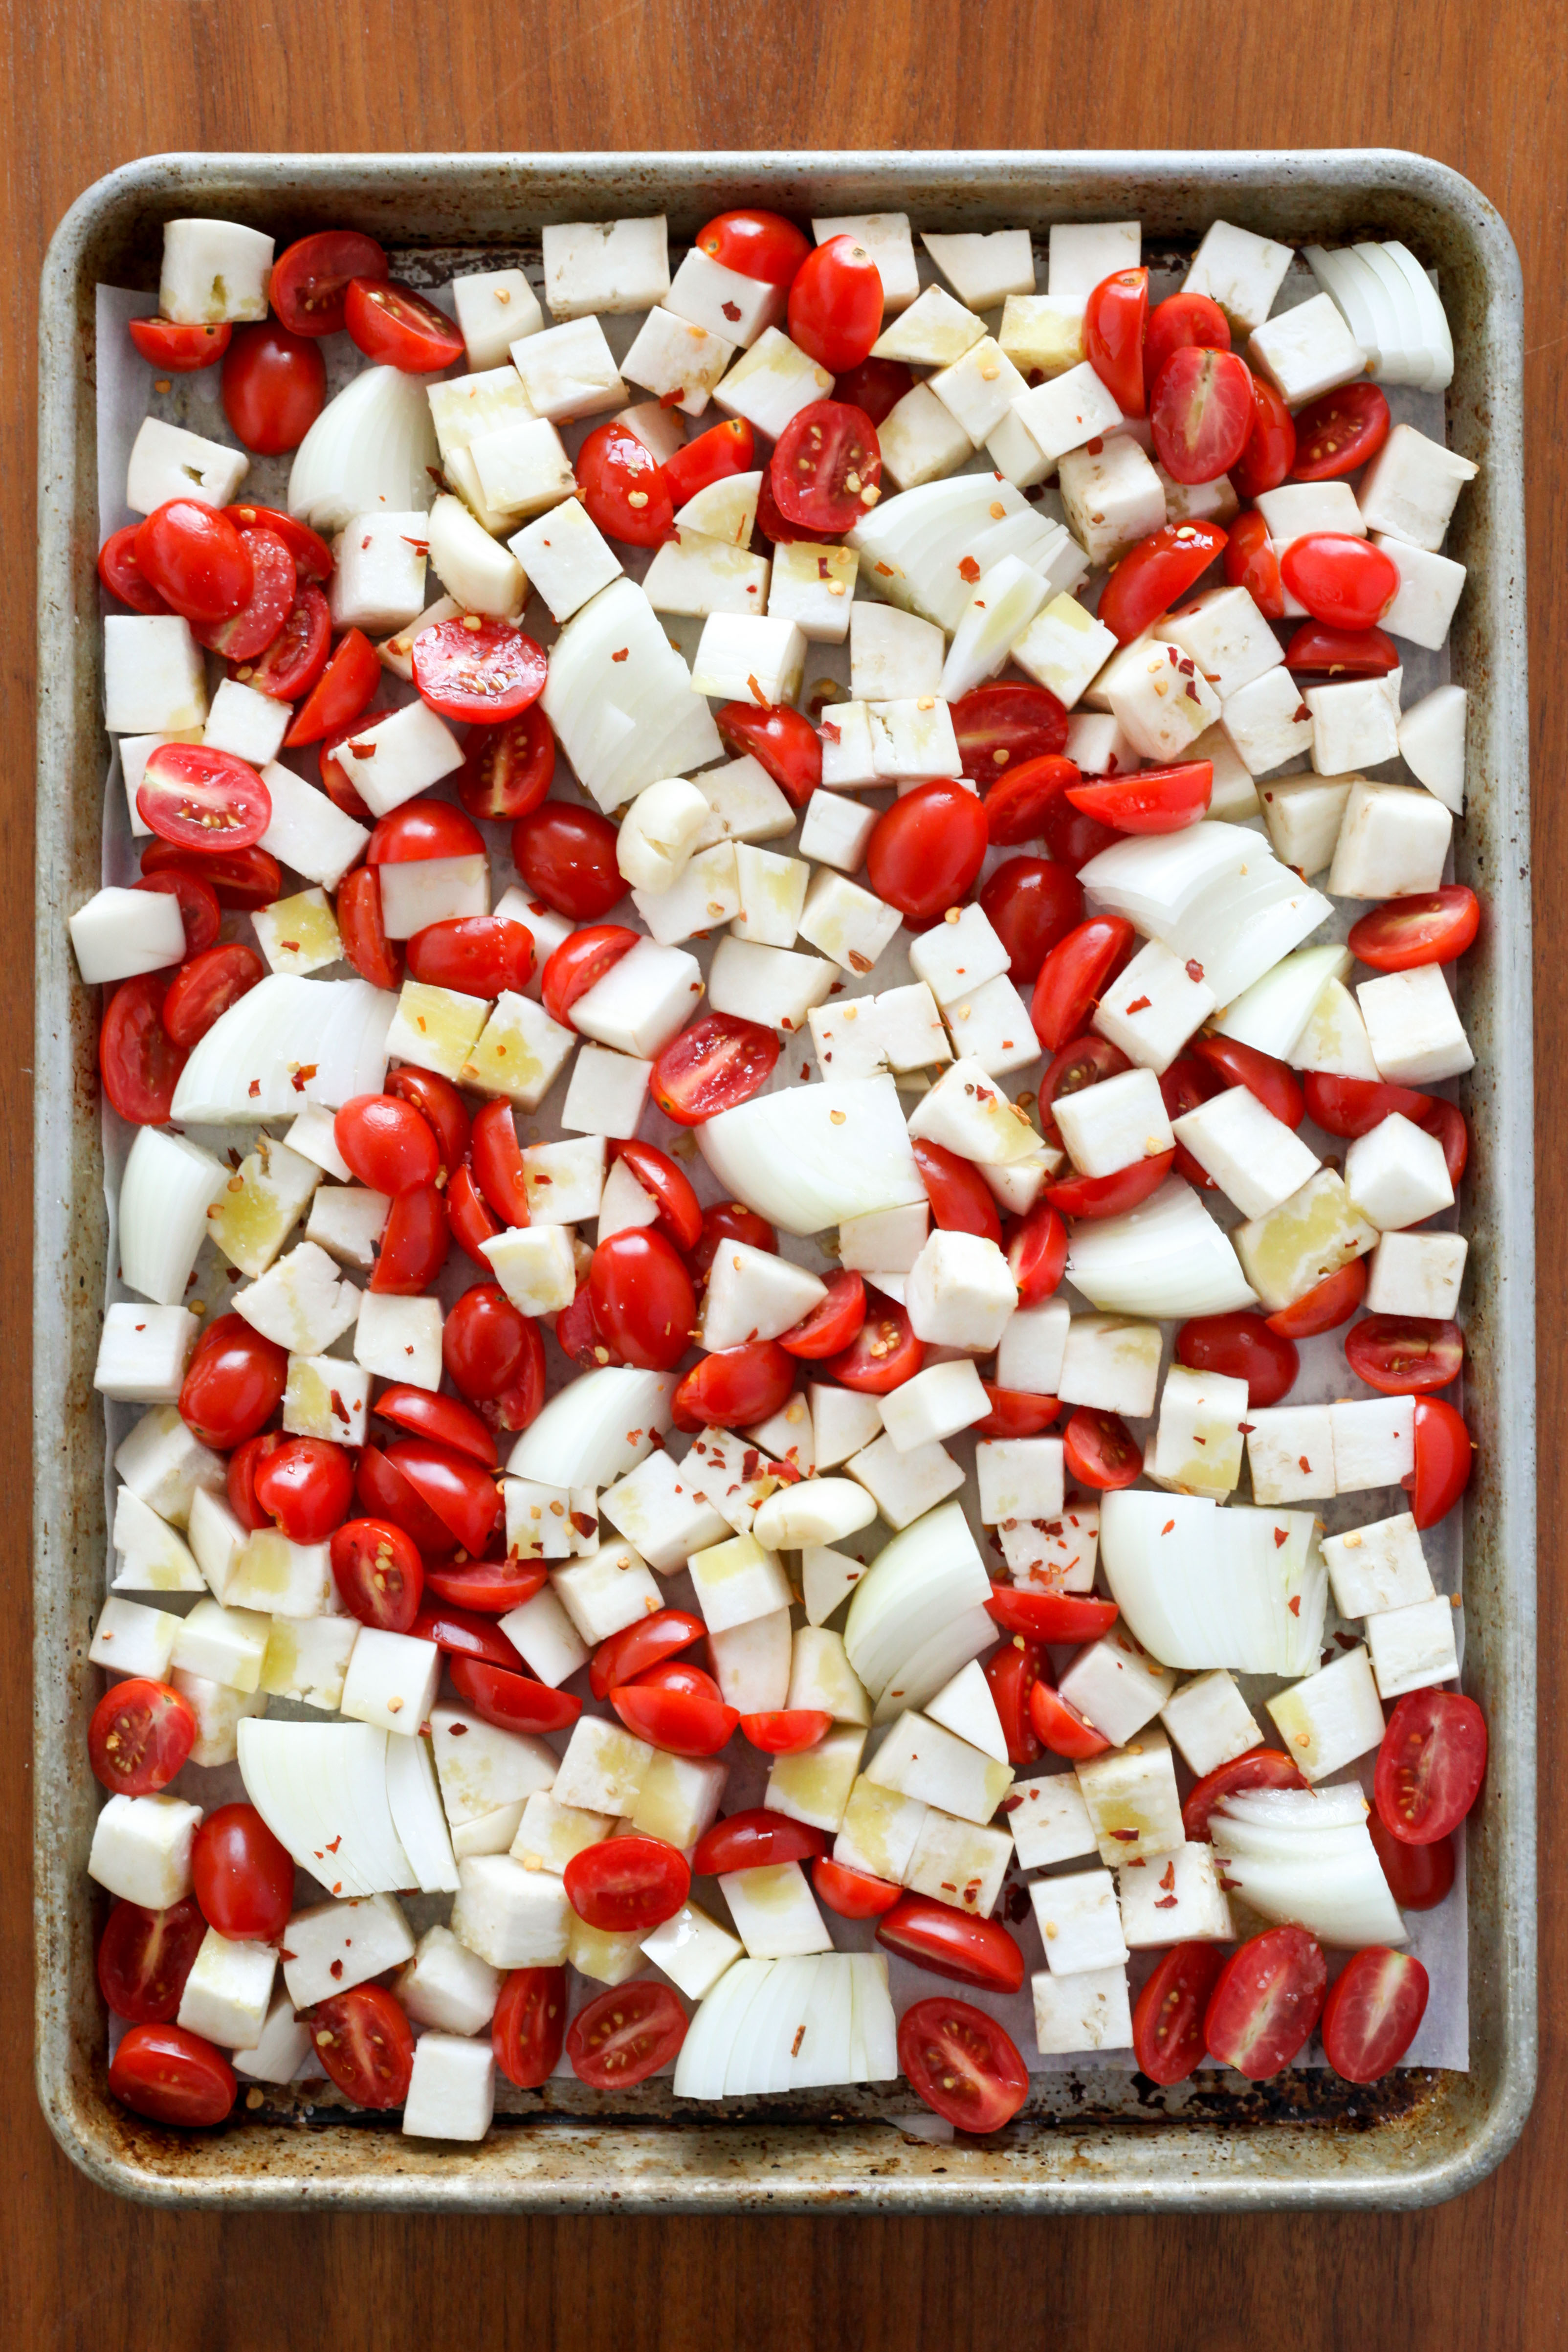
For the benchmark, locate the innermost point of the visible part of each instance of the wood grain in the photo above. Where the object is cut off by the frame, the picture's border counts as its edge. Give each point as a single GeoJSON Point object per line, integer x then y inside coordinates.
{"type": "Point", "coordinates": [92, 83]}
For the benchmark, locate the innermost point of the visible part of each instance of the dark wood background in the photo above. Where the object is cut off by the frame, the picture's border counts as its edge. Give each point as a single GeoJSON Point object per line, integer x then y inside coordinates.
{"type": "Point", "coordinates": [92, 83]}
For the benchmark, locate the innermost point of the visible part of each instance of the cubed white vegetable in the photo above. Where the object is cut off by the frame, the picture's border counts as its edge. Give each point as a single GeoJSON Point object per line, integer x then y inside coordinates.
{"type": "Point", "coordinates": [981, 388]}
{"type": "Point", "coordinates": [1290, 1450]}
{"type": "Point", "coordinates": [905, 1486]}
{"type": "Point", "coordinates": [1307, 351]}
{"type": "Point", "coordinates": [542, 1522]}
{"type": "Point", "coordinates": [654, 1507]}
{"type": "Point", "coordinates": [893, 657]}
{"type": "Point", "coordinates": [1176, 1899]}
{"type": "Point", "coordinates": [513, 1917]}
{"type": "Point", "coordinates": [212, 271]}
{"type": "Point", "coordinates": [1393, 842]}
{"type": "Point", "coordinates": [298, 934]}
{"type": "Point", "coordinates": [495, 308]}
{"type": "Point", "coordinates": [913, 740]}
{"type": "Point", "coordinates": [481, 574]}
{"type": "Point", "coordinates": [1163, 702]}
{"type": "Point", "coordinates": [1377, 1566]}
{"type": "Point", "coordinates": [1414, 1027]}
{"type": "Point", "coordinates": [772, 894]}
{"type": "Point", "coordinates": [395, 756]}
{"type": "Point", "coordinates": [1374, 1441]}
{"type": "Point", "coordinates": [744, 805]}
{"type": "Point", "coordinates": [119, 934]}
{"type": "Point", "coordinates": [1031, 1354]}
{"type": "Point", "coordinates": [228, 1992]}
{"type": "Point", "coordinates": [165, 1465]}
{"type": "Point", "coordinates": [1209, 1721]}
{"type": "Point", "coordinates": [751, 1663]}
{"type": "Point", "coordinates": [727, 305]}
{"type": "Point", "coordinates": [535, 1267]}
{"type": "Point", "coordinates": [696, 577]}
{"type": "Point", "coordinates": [283, 2048]}
{"type": "Point", "coordinates": [614, 266]}
{"type": "Point", "coordinates": [392, 1681]}
{"type": "Point", "coordinates": [1097, 746]}
{"type": "Point", "coordinates": [851, 925]}
{"type": "Point", "coordinates": [956, 957]}
{"type": "Point", "coordinates": [1411, 486]}
{"type": "Point", "coordinates": [1239, 270]}
{"type": "Point", "coordinates": [1299, 1244]}
{"type": "Point", "coordinates": [1111, 493]}
{"type": "Point", "coordinates": [1413, 1647]}
{"type": "Point", "coordinates": [1079, 1921]}
{"type": "Point", "coordinates": [888, 1241]}
{"type": "Point", "coordinates": [642, 1001]}
{"type": "Point", "coordinates": [154, 677]}
{"type": "Point", "coordinates": [518, 1053]}
{"type": "Point", "coordinates": [677, 359]}
{"type": "Point", "coordinates": [426, 890]}
{"type": "Point", "coordinates": [1151, 1009]}
{"type": "Point", "coordinates": [847, 763]}
{"type": "Point", "coordinates": [1198, 1445]}
{"type": "Point", "coordinates": [1111, 1363]}
{"type": "Point", "coordinates": [693, 1950]}
{"type": "Point", "coordinates": [378, 580]}
{"type": "Point", "coordinates": [1064, 648]}
{"type": "Point", "coordinates": [1355, 724]}
{"type": "Point", "coordinates": [812, 586]}
{"type": "Point", "coordinates": [1429, 589]}
{"type": "Point", "coordinates": [1254, 1158]}
{"type": "Point", "coordinates": [281, 1578]}
{"type": "Point", "coordinates": [308, 1659]}
{"type": "Point", "coordinates": [966, 1113]}
{"type": "Point", "coordinates": [774, 1911]}
{"type": "Point", "coordinates": [218, 1712]}
{"type": "Point", "coordinates": [934, 330]}
{"type": "Point", "coordinates": [464, 408]}
{"type": "Point", "coordinates": [400, 1339]}
{"type": "Point", "coordinates": [452, 2090]}
{"type": "Point", "coordinates": [1018, 1478]}
{"type": "Point", "coordinates": [1431, 743]}
{"type": "Point", "coordinates": [1054, 1555]}
{"type": "Point", "coordinates": [843, 1420]}
{"type": "Point", "coordinates": [983, 269]}
{"type": "Point", "coordinates": [956, 1863]}
{"type": "Point", "coordinates": [1120, 1689]}
{"type": "Point", "coordinates": [921, 440]}
{"type": "Point", "coordinates": [936, 1404]}
{"type": "Point", "coordinates": [481, 1766]}
{"type": "Point", "coordinates": [607, 1589]}
{"type": "Point", "coordinates": [1082, 253]}
{"type": "Point", "coordinates": [773, 985]}
{"type": "Point", "coordinates": [141, 1849]}
{"type": "Point", "coordinates": [961, 1292]}
{"type": "Point", "coordinates": [706, 894]}
{"type": "Point", "coordinates": [879, 1831]}
{"type": "Point", "coordinates": [1329, 1718]}
{"type": "Point", "coordinates": [567, 370]}
{"type": "Point", "coordinates": [1416, 1274]}
{"type": "Point", "coordinates": [1121, 1120]}
{"type": "Point", "coordinates": [143, 1352]}
{"type": "Point", "coordinates": [551, 1834]}
{"type": "Point", "coordinates": [1090, 2010]}
{"type": "Point", "coordinates": [835, 831]}
{"type": "Point", "coordinates": [325, 1397]}
{"type": "Point", "coordinates": [822, 1678]}
{"type": "Point", "coordinates": [330, 1947]}
{"type": "Point", "coordinates": [167, 462]}
{"type": "Point", "coordinates": [1396, 1175]}
{"type": "Point", "coordinates": [606, 1093]}
{"type": "Point", "coordinates": [738, 1580]}
{"type": "Point", "coordinates": [250, 725]}
{"type": "Point", "coordinates": [771, 383]}
{"type": "Point", "coordinates": [301, 1302]}
{"type": "Point", "coordinates": [565, 557]}
{"type": "Point", "coordinates": [817, 1785]}
{"type": "Point", "coordinates": [1268, 722]}
{"type": "Point", "coordinates": [745, 658]}
{"type": "Point", "coordinates": [909, 1028]}
{"type": "Point", "coordinates": [1227, 637]}
{"type": "Point", "coordinates": [886, 238]}
{"type": "Point", "coordinates": [1304, 819]}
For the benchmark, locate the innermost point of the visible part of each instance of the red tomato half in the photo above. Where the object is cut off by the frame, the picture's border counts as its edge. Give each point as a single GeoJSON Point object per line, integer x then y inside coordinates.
{"type": "Point", "coordinates": [398, 328]}
{"type": "Point", "coordinates": [489, 1346]}
{"type": "Point", "coordinates": [528, 2027]}
{"type": "Point", "coordinates": [512, 1702]}
{"type": "Point", "coordinates": [1030, 903]}
{"type": "Point", "coordinates": [460, 1492]}
{"type": "Point", "coordinates": [244, 1876]}
{"type": "Point", "coordinates": [1352, 1106]}
{"type": "Point", "coordinates": [421, 829]}
{"type": "Point", "coordinates": [1024, 803]}
{"type": "Point", "coordinates": [737, 1387]}
{"type": "Point", "coordinates": [1201, 413]}
{"type": "Point", "coordinates": [961, 1199]}
{"type": "Point", "coordinates": [579, 963]}
{"type": "Point", "coordinates": [1419, 1877]}
{"type": "Point", "coordinates": [1404, 1355]}
{"type": "Point", "coordinates": [952, 1944]}
{"type": "Point", "coordinates": [384, 1491]}
{"type": "Point", "coordinates": [1273, 1083]}
{"type": "Point", "coordinates": [305, 1486]}
{"type": "Point", "coordinates": [754, 1839]}
{"type": "Point", "coordinates": [1344, 582]}
{"type": "Point", "coordinates": [293, 663]}
{"type": "Point", "coordinates": [1251, 563]}
{"type": "Point", "coordinates": [1073, 976]}
{"type": "Point", "coordinates": [959, 2061]}
{"type": "Point", "coordinates": [730, 1221]}
{"type": "Point", "coordinates": [1325, 1306]}
{"type": "Point", "coordinates": [485, 675]}
{"type": "Point", "coordinates": [310, 277]}
{"type": "Point", "coordinates": [414, 1243]}
{"type": "Point", "coordinates": [508, 769]}
{"type": "Point", "coordinates": [832, 1322]}
{"type": "Point", "coordinates": [1012, 1672]}
{"type": "Point", "coordinates": [180, 349]}
{"type": "Point", "coordinates": [723, 450]}
{"type": "Point", "coordinates": [1444, 1459]}
{"type": "Point", "coordinates": [835, 304]}
{"type": "Point", "coordinates": [1259, 1768]}
{"type": "Point", "coordinates": [479, 955]}
{"type": "Point", "coordinates": [235, 1383]}
{"type": "Point", "coordinates": [1268, 1998]}
{"type": "Point", "coordinates": [787, 1731]}
{"type": "Point", "coordinates": [341, 693]}
{"type": "Point", "coordinates": [627, 1886]}
{"type": "Point", "coordinates": [1447, 1123]}
{"type": "Point", "coordinates": [1036, 1254]}
{"type": "Point", "coordinates": [387, 1144]}
{"type": "Point", "coordinates": [1157, 574]}
{"type": "Point", "coordinates": [202, 800]}
{"type": "Point", "coordinates": [567, 857]}
{"type": "Point", "coordinates": [884, 1352]}
{"type": "Point", "coordinates": [1242, 1346]}
{"type": "Point", "coordinates": [853, 1894]}
{"type": "Point", "coordinates": [875, 387]}
{"type": "Point", "coordinates": [1099, 1450]}
{"type": "Point", "coordinates": [718, 1062]}
{"type": "Point", "coordinates": [624, 488]}
{"type": "Point", "coordinates": [191, 556]}
{"type": "Point", "coordinates": [172, 2076]}
{"type": "Point", "coordinates": [679, 1211]}
{"type": "Point", "coordinates": [1270, 450]}
{"type": "Point", "coordinates": [642, 1298]}
{"type": "Point", "coordinates": [201, 990]}
{"type": "Point", "coordinates": [1156, 800]}
{"type": "Point", "coordinates": [437, 1100]}
{"type": "Point", "coordinates": [826, 467]}
{"type": "Point", "coordinates": [1342, 652]}
{"type": "Point", "coordinates": [1339, 432]}
{"type": "Point", "coordinates": [1435, 927]}
{"type": "Point", "coordinates": [141, 1734]}
{"type": "Point", "coordinates": [1114, 318]}
{"type": "Point", "coordinates": [1113, 1195]}
{"type": "Point", "coordinates": [646, 1641]}
{"type": "Point", "coordinates": [1003, 725]}
{"type": "Point", "coordinates": [487, 1588]}
{"type": "Point", "coordinates": [1370, 2017]}
{"type": "Point", "coordinates": [365, 941]}
{"type": "Point", "coordinates": [780, 739]}
{"type": "Point", "coordinates": [122, 574]}
{"type": "Point", "coordinates": [1180, 321]}
{"type": "Point", "coordinates": [424, 1413]}
{"type": "Point", "coordinates": [1167, 2022]}
{"type": "Point", "coordinates": [756, 244]}
{"type": "Point", "coordinates": [460, 1635]}
{"type": "Point", "coordinates": [274, 387]}
{"type": "Point", "coordinates": [678, 1707]}
{"type": "Point", "coordinates": [312, 556]}
{"type": "Point", "coordinates": [378, 1573]}
{"type": "Point", "coordinates": [138, 1061]}
{"type": "Point", "coordinates": [1054, 1618]}
{"type": "Point", "coordinates": [261, 619]}
{"type": "Point", "coordinates": [1016, 1412]}
{"type": "Point", "coordinates": [238, 879]}
{"type": "Point", "coordinates": [625, 2035]}
{"type": "Point", "coordinates": [365, 2041]}
{"type": "Point", "coordinates": [144, 1958]}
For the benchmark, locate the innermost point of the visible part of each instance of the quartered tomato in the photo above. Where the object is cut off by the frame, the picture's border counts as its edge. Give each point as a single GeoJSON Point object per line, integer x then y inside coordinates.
{"type": "Point", "coordinates": [952, 1943]}
{"type": "Point", "coordinates": [787, 1731]}
{"type": "Point", "coordinates": [1419, 1877]}
{"type": "Point", "coordinates": [1259, 1768]}
{"type": "Point", "coordinates": [755, 1838]}
{"type": "Point", "coordinates": [397, 328]}
{"type": "Point", "coordinates": [1022, 803]}
{"type": "Point", "coordinates": [1325, 1306]}
{"type": "Point", "coordinates": [718, 1062]}
{"type": "Point", "coordinates": [1342, 652]}
{"type": "Point", "coordinates": [1404, 1355]}
{"type": "Point", "coordinates": [728, 1220]}
{"type": "Point", "coordinates": [1235, 1064]}
{"type": "Point", "coordinates": [144, 1958]}
{"type": "Point", "coordinates": [680, 1213]}
{"type": "Point", "coordinates": [756, 244]}
{"type": "Point", "coordinates": [273, 588]}
{"type": "Point", "coordinates": [624, 488]}
{"type": "Point", "coordinates": [138, 1060]}
{"type": "Point", "coordinates": [1266, 2002]}
{"type": "Point", "coordinates": [1242, 1346]}
{"type": "Point", "coordinates": [1344, 582]}
{"type": "Point", "coordinates": [234, 1384]}
{"type": "Point", "coordinates": [646, 1641]}
{"type": "Point", "coordinates": [487, 1588]}
{"type": "Point", "coordinates": [1099, 1450]}
{"type": "Point", "coordinates": [826, 467]}
{"type": "Point", "coordinates": [1059, 1727]}
{"type": "Point", "coordinates": [1167, 2022]}
{"type": "Point", "coordinates": [884, 1352]}
{"type": "Point", "coordinates": [578, 964]}
{"type": "Point", "coordinates": [1114, 320]}
{"type": "Point", "coordinates": [566, 857]}
{"type": "Point", "coordinates": [365, 2043]}
{"type": "Point", "coordinates": [1200, 413]}
{"type": "Point", "coordinates": [625, 2035]}
{"type": "Point", "coordinates": [378, 1573]}
{"type": "Point", "coordinates": [832, 1322]}
{"type": "Point", "coordinates": [1444, 1459]}
{"type": "Point", "coordinates": [244, 1876]}
{"type": "Point", "coordinates": [172, 2076]}
{"type": "Point", "coordinates": [191, 556]}
{"type": "Point", "coordinates": [723, 450]}
{"type": "Point", "coordinates": [1156, 800]}
{"type": "Point", "coordinates": [274, 387]}
{"type": "Point", "coordinates": [179, 348]}
{"type": "Point", "coordinates": [1072, 975]}
{"type": "Point", "coordinates": [483, 674]}
{"type": "Point", "coordinates": [457, 1634]}
{"type": "Point", "coordinates": [363, 930]}
{"type": "Point", "coordinates": [1012, 1672]}
{"type": "Point", "coordinates": [1157, 574]}
{"type": "Point", "coordinates": [780, 739]}
{"type": "Point", "coordinates": [1370, 2017]}
{"type": "Point", "coordinates": [341, 692]}
{"type": "Point", "coordinates": [292, 664]}
{"type": "Point", "coordinates": [122, 574]}
{"type": "Point", "coordinates": [1030, 903]}
{"type": "Point", "coordinates": [309, 282]}
{"type": "Point", "coordinates": [312, 556]}
{"type": "Point", "coordinates": [387, 1143]}
{"type": "Point", "coordinates": [835, 304]}
{"type": "Point", "coordinates": [304, 1487]}
{"type": "Point", "coordinates": [1054, 1618]}
{"type": "Point", "coordinates": [1179, 321]}
{"type": "Point", "coordinates": [1434, 927]}
{"type": "Point", "coordinates": [528, 2027]}
{"type": "Point", "coordinates": [200, 799]}
{"type": "Point", "coordinates": [627, 1886]}
{"type": "Point", "coordinates": [875, 387]}
{"type": "Point", "coordinates": [961, 1199]}
{"type": "Point", "coordinates": [736, 1387]}
{"type": "Point", "coordinates": [642, 1298]}
{"type": "Point", "coordinates": [468, 1215]}
{"type": "Point", "coordinates": [851, 1894]}
{"type": "Point", "coordinates": [141, 1734]}
{"type": "Point", "coordinates": [1036, 1254]}
{"type": "Point", "coordinates": [1251, 562]}
{"type": "Point", "coordinates": [203, 989]}
{"type": "Point", "coordinates": [1340, 431]}
{"type": "Point", "coordinates": [1113, 1195]}
{"type": "Point", "coordinates": [1016, 1412]}
{"type": "Point", "coordinates": [960, 2061]}
{"type": "Point", "coordinates": [511, 1701]}
{"type": "Point", "coordinates": [1270, 450]}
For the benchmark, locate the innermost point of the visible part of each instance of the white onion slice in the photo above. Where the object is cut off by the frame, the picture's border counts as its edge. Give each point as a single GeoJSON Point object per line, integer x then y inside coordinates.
{"type": "Point", "coordinates": [1273, 1013]}
{"type": "Point", "coordinates": [288, 1042]}
{"type": "Point", "coordinates": [621, 698]}
{"type": "Point", "coordinates": [812, 1156]}
{"type": "Point", "coordinates": [826, 2052]}
{"type": "Point", "coordinates": [926, 1671]}
{"type": "Point", "coordinates": [1307, 1856]}
{"type": "Point", "coordinates": [1166, 1258]}
{"type": "Point", "coordinates": [779, 2016]}
{"type": "Point", "coordinates": [918, 1583]}
{"type": "Point", "coordinates": [350, 1052]}
{"type": "Point", "coordinates": [1437, 335]}
{"type": "Point", "coordinates": [1200, 1586]}
{"type": "Point", "coordinates": [417, 1814]}
{"type": "Point", "coordinates": [369, 450]}
{"type": "Point", "coordinates": [704, 2062]}
{"type": "Point", "coordinates": [1153, 879]}
{"type": "Point", "coordinates": [322, 1788]}
{"type": "Point", "coordinates": [875, 2026]}
{"type": "Point", "coordinates": [1400, 357]}
{"type": "Point", "coordinates": [924, 534]}
{"type": "Point", "coordinates": [1345, 282]}
{"type": "Point", "coordinates": [168, 1187]}
{"type": "Point", "coordinates": [597, 1429]}
{"type": "Point", "coordinates": [1214, 894]}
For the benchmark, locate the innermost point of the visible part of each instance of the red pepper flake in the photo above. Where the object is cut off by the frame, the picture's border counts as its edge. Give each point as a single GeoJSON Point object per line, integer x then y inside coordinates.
{"type": "Point", "coordinates": [301, 1078]}
{"type": "Point", "coordinates": [336, 1842]}
{"type": "Point", "coordinates": [254, 1088]}
{"type": "Point", "coordinates": [831, 732]}
{"type": "Point", "coordinates": [1301, 715]}
{"type": "Point", "coordinates": [1164, 1902]}
{"type": "Point", "coordinates": [1294, 1605]}
{"type": "Point", "coordinates": [1138, 1004]}
{"type": "Point", "coordinates": [757, 694]}
{"type": "Point", "coordinates": [622, 654]}
{"type": "Point", "coordinates": [968, 569]}
{"type": "Point", "coordinates": [336, 1970]}
{"type": "Point", "coordinates": [732, 312]}
{"type": "Point", "coordinates": [1093, 448]}
{"type": "Point", "coordinates": [1281, 1537]}
{"type": "Point", "coordinates": [1127, 1837]}
{"type": "Point", "coordinates": [1168, 1527]}
{"type": "Point", "coordinates": [339, 1409]}
{"type": "Point", "coordinates": [1302, 1462]}
{"type": "Point", "coordinates": [1167, 1876]}
{"type": "Point", "coordinates": [1193, 968]}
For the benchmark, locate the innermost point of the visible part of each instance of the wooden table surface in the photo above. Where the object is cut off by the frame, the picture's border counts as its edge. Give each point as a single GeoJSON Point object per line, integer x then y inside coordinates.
{"type": "Point", "coordinates": [92, 83]}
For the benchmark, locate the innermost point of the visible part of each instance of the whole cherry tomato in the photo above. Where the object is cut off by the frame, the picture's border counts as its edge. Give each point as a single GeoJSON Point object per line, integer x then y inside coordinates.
{"type": "Point", "coordinates": [1340, 431]}
{"type": "Point", "coordinates": [508, 769]}
{"type": "Point", "coordinates": [421, 829]}
{"type": "Point", "coordinates": [235, 1383]}
{"type": "Point", "coordinates": [624, 488]}
{"type": "Point", "coordinates": [244, 1876]}
{"type": "Point", "coordinates": [1114, 318]}
{"type": "Point", "coordinates": [309, 284]}
{"type": "Point", "coordinates": [826, 467]}
{"type": "Point", "coordinates": [305, 1486]}
{"type": "Point", "coordinates": [780, 740]}
{"type": "Point", "coordinates": [397, 328]}
{"type": "Point", "coordinates": [528, 2027]}
{"type": "Point", "coordinates": [884, 1352]}
{"type": "Point", "coordinates": [191, 556]}
{"type": "Point", "coordinates": [387, 1143]}
{"type": "Point", "coordinates": [1242, 1346]}
{"type": "Point", "coordinates": [735, 1388]}
{"type": "Point", "coordinates": [180, 349]}
{"type": "Point", "coordinates": [1344, 582]}
{"type": "Point", "coordinates": [1251, 562]}
{"type": "Point", "coordinates": [875, 387]}
{"type": "Point", "coordinates": [274, 386]}
{"type": "Point", "coordinates": [1270, 450]}
{"type": "Point", "coordinates": [1157, 574]}
{"type": "Point", "coordinates": [567, 857]}
{"type": "Point", "coordinates": [1030, 903]}
{"type": "Point", "coordinates": [756, 244]}
{"type": "Point", "coordinates": [718, 1062]}
{"type": "Point", "coordinates": [141, 1734]}
{"type": "Point", "coordinates": [144, 1958]}
{"type": "Point", "coordinates": [172, 2076]}
{"type": "Point", "coordinates": [1201, 413]}
{"type": "Point", "coordinates": [490, 1348]}
{"type": "Point", "coordinates": [1180, 321]}
{"type": "Point", "coordinates": [925, 851]}
{"type": "Point", "coordinates": [835, 304]}
{"type": "Point", "coordinates": [1444, 1459]}
{"type": "Point", "coordinates": [1072, 975]}
{"type": "Point", "coordinates": [642, 1298]}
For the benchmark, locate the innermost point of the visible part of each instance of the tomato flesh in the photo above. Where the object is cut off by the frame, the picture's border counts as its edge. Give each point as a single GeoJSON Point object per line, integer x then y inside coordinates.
{"type": "Point", "coordinates": [1372, 2016]}
{"type": "Point", "coordinates": [625, 2035]}
{"type": "Point", "coordinates": [678, 1707]}
{"type": "Point", "coordinates": [529, 2028]}
{"type": "Point", "coordinates": [1339, 432]}
{"type": "Point", "coordinates": [309, 284]}
{"type": "Point", "coordinates": [365, 2043]}
{"type": "Point", "coordinates": [952, 1944]}
{"type": "Point", "coordinates": [718, 1062]}
{"type": "Point", "coordinates": [1012, 1673]}
{"type": "Point", "coordinates": [627, 1886]}
{"type": "Point", "coordinates": [1430, 1765]}
{"type": "Point", "coordinates": [141, 1734]}
{"type": "Point", "coordinates": [1179, 321]}
{"type": "Point", "coordinates": [144, 1958]}
{"type": "Point", "coordinates": [293, 663]}
{"type": "Point", "coordinates": [875, 387]}
{"type": "Point", "coordinates": [199, 799]}
{"type": "Point", "coordinates": [1036, 1254]}
{"type": "Point", "coordinates": [1201, 413]}
{"type": "Point", "coordinates": [723, 450]}
{"type": "Point", "coordinates": [179, 348]}
{"type": "Point", "coordinates": [387, 1143]}
{"type": "Point", "coordinates": [960, 2061]}
{"type": "Point", "coordinates": [832, 1322]}
{"type": "Point", "coordinates": [203, 989]}
{"type": "Point", "coordinates": [1267, 1998]}
{"type": "Point", "coordinates": [138, 1061]}
{"type": "Point", "coordinates": [1007, 726]}
{"type": "Point", "coordinates": [122, 574]}
{"type": "Point", "coordinates": [508, 767]}
{"type": "Point", "coordinates": [647, 1641]}
{"type": "Point", "coordinates": [884, 1352]}
{"type": "Point", "coordinates": [824, 465]}
{"type": "Point", "coordinates": [235, 1382]}
{"type": "Point", "coordinates": [1059, 1727]}
{"type": "Point", "coordinates": [1271, 448]}
{"type": "Point", "coordinates": [1099, 1450]}
{"type": "Point", "coordinates": [341, 693]}
{"type": "Point", "coordinates": [305, 1486]}
{"type": "Point", "coordinates": [378, 1573]}
{"type": "Point", "coordinates": [1251, 562]}
{"type": "Point", "coordinates": [787, 1731]}
{"type": "Point", "coordinates": [1419, 1877]}
{"type": "Point", "coordinates": [1051, 1617]}
{"type": "Point", "coordinates": [679, 1210]}
{"type": "Point", "coordinates": [485, 675]}
{"type": "Point", "coordinates": [1404, 1355]}
{"type": "Point", "coordinates": [1113, 1195]}
{"type": "Point", "coordinates": [1167, 2022]}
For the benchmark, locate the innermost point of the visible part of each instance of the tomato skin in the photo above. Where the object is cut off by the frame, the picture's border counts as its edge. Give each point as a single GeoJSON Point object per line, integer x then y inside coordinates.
{"type": "Point", "coordinates": [198, 900]}
{"type": "Point", "coordinates": [339, 694]}
{"type": "Point", "coordinates": [1016, 1412]}
{"type": "Point", "coordinates": [786, 1732]}
{"type": "Point", "coordinates": [1200, 413]}
{"type": "Point", "coordinates": [1325, 1306]}
{"type": "Point", "coordinates": [1259, 1768]}
{"type": "Point", "coordinates": [875, 387]}
{"type": "Point", "coordinates": [421, 829]}
{"type": "Point", "coordinates": [244, 1876]}
{"type": "Point", "coordinates": [961, 1199]}
{"type": "Point", "coordinates": [1019, 806]}
{"type": "Point", "coordinates": [925, 851]}
{"type": "Point", "coordinates": [193, 557]}
{"type": "Point", "coordinates": [1445, 1120]}
{"type": "Point", "coordinates": [508, 767]}
{"type": "Point", "coordinates": [378, 1573]}
{"type": "Point", "coordinates": [488, 1345]}
{"type": "Point", "coordinates": [1344, 582]}
{"type": "Point", "coordinates": [754, 243]}
{"type": "Point", "coordinates": [180, 349]}
{"type": "Point", "coordinates": [312, 556]}
{"type": "Point", "coordinates": [1036, 1254]}
{"type": "Point", "coordinates": [835, 304]}
{"type": "Point", "coordinates": [413, 1244]}
{"type": "Point", "coordinates": [1059, 1727]}
{"type": "Point", "coordinates": [1157, 574]}
{"type": "Point", "coordinates": [365, 2041]}
{"type": "Point", "coordinates": [1235, 1064]}
{"type": "Point", "coordinates": [1005, 726]}
{"type": "Point", "coordinates": [1156, 799]}
{"type": "Point", "coordinates": [235, 1383]}
{"type": "Point", "coordinates": [203, 989]}
{"type": "Point", "coordinates": [459, 1491]}
{"type": "Point", "coordinates": [680, 1213]}
{"type": "Point", "coordinates": [310, 279]}
{"type": "Point", "coordinates": [961, 2063]}
{"type": "Point", "coordinates": [293, 663]}
{"type": "Point", "coordinates": [1114, 322]}
{"type": "Point", "coordinates": [1435, 928]}
{"type": "Point", "coordinates": [384, 1492]}
{"type": "Point", "coordinates": [468, 1215]}
{"type": "Point", "coordinates": [1167, 2022]}
{"type": "Point", "coordinates": [485, 675]}
{"type": "Point", "coordinates": [1419, 1877]}
{"type": "Point", "coordinates": [512, 1702]}
{"type": "Point", "coordinates": [1099, 1450]}
{"type": "Point", "coordinates": [728, 1220]}
{"type": "Point", "coordinates": [1051, 1617]}
{"type": "Point", "coordinates": [1251, 563]}
{"type": "Point", "coordinates": [778, 739]}
{"type": "Point", "coordinates": [196, 799]}
{"type": "Point", "coordinates": [718, 1062]}
{"type": "Point", "coordinates": [1031, 904]}
{"type": "Point", "coordinates": [831, 1323]}
{"type": "Point", "coordinates": [627, 1886]}
{"type": "Point", "coordinates": [723, 450]}
{"type": "Point", "coordinates": [625, 2035]}
{"type": "Point", "coordinates": [1372, 2015]}
{"type": "Point", "coordinates": [678, 1707]}
{"type": "Point", "coordinates": [487, 1588]}
{"type": "Point", "coordinates": [754, 1839]}
{"type": "Point", "coordinates": [1342, 652]}
{"type": "Point", "coordinates": [1404, 1355]}
{"type": "Point", "coordinates": [1184, 1084]}
{"type": "Point", "coordinates": [884, 1352]}
{"type": "Point", "coordinates": [397, 328]}
{"type": "Point", "coordinates": [1179, 321]}
{"type": "Point", "coordinates": [424, 1413]}
{"type": "Point", "coordinates": [438, 1102]}
{"type": "Point", "coordinates": [612, 468]}
{"type": "Point", "coordinates": [498, 1164]}
{"type": "Point", "coordinates": [240, 1479]}
{"type": "Point", "coordinates": [952, 1944]}
{"type": "Point", "coordinates": [1352, 1106]}
{"type": "Point", "coordinates": [172, 2076]}
{"type": "Point", "coordinates": [305, 1486]}
{"type": "Point", "coordinates": [1266, 2001]}
{"type": "Point", "coordinates": [567, 857]}
{"type": "Point", "coordinates": [579, 963]}
{"type": "Point", "coordinates": [1083, 1062]}
{"type": "Point", "coordinates": [141, 1734]}
{"type": "Point", "coordinates": [642, 1298]}
{"type": "Point", "coordinates": [138, 1061]}
{"type": "Point", "coordinates": [738, 1385]}
{"type": "Point", "coordinates": [824, 464]}
{"type": "Point", "coordinates": [122, 574]}
{"type": "Point", "coordinates": [144, 1958]}
{"type": "Point", "coordinates": [1271, 448]}
{"type": "Point", "coordinates": [851, 1894]}
{"type": "Point", "coordinates": [1242, 1346]}
{"type": "Point", "coordinates": [459, 1635]}
{"type": "Point", "coordinates": [274, 386]}
{"type": "Point", "coordinates": [1339, 432]}
{"type": "Point", "coordinates": [365, 942]}
{"type": "Point", "coordinates": [1444, 1460]}
{"type": "Point", "coordinates": [1113, 1195]}
{"type": "Point", "coordinates": [646, 1641]}
{"type": "Point", "coordinates": [529, 2028]}
{"type": "Point", "coordinates": [1073, 976]}
{"type": "Point", "coordinates": [387, 1143]}
{"type": "Point", "coordinates": [1012, 1672]}
{"type": "Point", "coordinates": [242, 879]}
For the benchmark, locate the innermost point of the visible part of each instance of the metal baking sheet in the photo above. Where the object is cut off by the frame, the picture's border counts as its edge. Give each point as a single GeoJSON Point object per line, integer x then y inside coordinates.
{"type": "Point", "coordinates": [1099, 2138]}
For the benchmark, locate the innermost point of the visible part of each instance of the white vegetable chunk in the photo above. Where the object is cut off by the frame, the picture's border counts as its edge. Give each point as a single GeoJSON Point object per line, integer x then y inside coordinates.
{"type": "Point", "coordinates": [141, 1849]}
{"type": "Point", "coordinates": [168, 462]}
{"type": "Point", "coordinates": [212, 271]}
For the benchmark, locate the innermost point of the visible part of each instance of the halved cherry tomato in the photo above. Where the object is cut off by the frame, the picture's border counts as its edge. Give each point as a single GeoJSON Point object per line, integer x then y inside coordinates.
{"type": "Point", "coordinates": [1167, 2022]}
{"type": "Point", "coordinates": [199, 799]}
{"type": "Point", "coordinates": [179, 348]}
{"type": "Point", "coordinates": [780, 739]}
{"type": "Point", "coordinates": [1178, 322]}
{"type": "Point", "coordinates": [261, 619]}
{"type": "Point", "coordinates": [138, 1061]}
{"type": "Point", "coordinates": [141, 1734]}
{"type": "Point", "coordinates": [623, 486]}
{"type": "Point", "coordinates": [191, 556]}
{"type": "Point", "coordinates": [679, 1210]}
{"type": "Point", "coordinates": [172, 2076]}
{"type": "Point", "coordinates": [1073, 976]}
{"type": "Point", "coordinates": [461, 1494]}
{"type": "Point", "coordinates": [304, 1487]}
{"type": "Point", "coordinates": [1114, 321]}
{"type": "Point", "coordinates": [1012, 1672]}
{"type": "Point", "coordinates": [1051, 1617]}
{"type": "Point", "coordinates": [312, 556]}
{"type": "Point", "coordinates": [339, 694]}
{"type": "Point", "coordinates": [1444, 1459]}
{"type": "Point", "coordinates": [438, 1102]}
{"type": "Point", "coordinates": [952, 1943]}
{"type": "Point", "coordinates": [201, 990]}
{"type": "Point", "coordinates": [379, 1575]}
{"type": "Point", "coordinates": [1184, 1084]}
{"type": "Point", "coordinates": [485, 675]}
{"type": "Point", "coordinates": [787, 1731]}
{"type": "Point", "coordinates": [1030, 903]}
{"type": "Point", "coordinates": [1036, 1254]}
{"type": "Point", "coordinates": [365, 2041]}
{"type": "Point", "coordinates": [728, 1220]}
{"type": "Point", "coordinates": [1259, 1768]}
{"type": "Point", "coordinates": [235, 1383]}
{"type": "Point", "coordinates": [395, 327]}
{"type": "Point", "coordinates": [1419, 1877]}
{"type": "Point", "coordinates": [309, 282]}
{"type": "Point", "coordinates": [755, 1839]}
{"type": "Point", "coordinates": [824, 464]}
{"type": "Point", "coordinates": [239, 1482]}
{"type": "Point", "coordinates": [1023, 803]}
{"type": "Point", "coordinates": [567, 857]}
{"type": "Point", "coordinates": [1352, 1106]}
{"type": "Point", "coordinates": [1342, 652]}
{"type": "Point", "coordinates": [578, 1334]}
{"type": "Point", "coordinates": [1059, 1727]}
{"type": "Point", "coordinates": [1200, 413]}
{"type": "Point", "coordinates": [1099, 1450]}
{"type": "Point", "coordinates": [835, 304]}
{"type": "Point", "coordinates": [875, 387]}
{"type": "Point", "coordinates": [960, 2061]}
{"type": "Point", "coordinates": [1016, 1412]}
{"type": "Point", "coordinates": [1273, 1083]}
{"type": "Point", "coordinates": [144, 1958]}
{"type": "Point", "coordinates": [1445, 1120]}
{"type": "Point", "coordinates": [529, 2028]}
{"type": "Point", "coordinates": [511, 1701]}
{"type": "Point", "coordinates": [884, 1352]}
{"type": "Point", "coordinates": [1004, 726]}
{"type": "Point", "coordinates": [1344, 582]}
{"type": "Point", "coordinates": [961, 1199]}
{"type": "Point", "coordinates": [421, 829]}
{"type": "Point", "coordinates": [1156, 799]}
{"type": "Point", "coordinates": [853, 1894]}
{"type": "Point", "coordinates": [1157, 574]}
{"type": "Point", "coordinates": [718, 1062]}
{"type": "Point", "coordinates": [925, 851]}
{"type": "Point", "coordinates": [381, 1490]}
{"type": "Point", "coordinates": [274, 387]}
{"type": "Point", "coordinates": [1268, 1998]}
{"type": "Point", "coordinates": [579, 963]}
{"type": "Point", "coordinates": [293, 663]}
{"type": "Point", "coordinates": [244, 1876]}
{"type": "Point", "coordinates": [1370, 2017]}
{"type": "Point", "coordinates": [723, 450]}
{"type": "Point", "coordinates": [488, 1345]}
{"type": "Point", "coordinates": [1435, 927]}
{"type": "Point", "coordinates": [122, 574]}
{"type": "Point", "coordinates": [1083, 1062]}
{"type": "Point", "coordinates": [496, 1161]}
{"type": "Point", "coordinates": [646, 1641]}
{"type": "Point", "coordinates": [508, 768]}
{"type": "Point", "coordinates": [468, 1215]}
{"type": "Point", "coordinates": [425, 1412]}
{"type": "Point", "coordinates": [363, 932]}
{"type": "Point", "coordinates": [1325, 1306]}
{"type": "Point", "coordinates": [1113, 1195]}
{"type": "Point", "coordinates": [387, 1143]}
{"type": "Point", "coordinates": [777, 528]}
{"type": "Point", "coordinates": [1242, 1346]}
{"type": "Point", "coordinates": [459, 1634]}
{"type": "Point", "coordinates": [487, 1588]}
{"type": "Point", "coordinates": [1340, 431]}
{"type": "Point", "coordinates": [1404, 1355]}
{"type": "Point", "coordinates": [625, 2035]}
{"type": "Point", "coordinates": [414, 1245]}
{"type": "Point", "coordinates": [642, 1298]}
{"type": "Point", "coordinates": [736, 1387]}
{"type": "Point", "coordinates": [756, 244]}
{"type": "Point", "coordinates": [1251, 563]}
{"type": "Point", "coordinates": [1271, 448]}
{"type": "Point", "coordinates": [834, 1321]}
{"type": "Point", "coordinates": [627, 1886]}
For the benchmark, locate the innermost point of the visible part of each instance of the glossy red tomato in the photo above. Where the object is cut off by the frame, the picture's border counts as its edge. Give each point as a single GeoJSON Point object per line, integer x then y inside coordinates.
{"type": "Point", "coordinates": [507, 768]}
{"type": "Point", "coordinates": [1273, 1083]}
{"type": "Point", "coordinates": [379, 1574]}
{"type": "Point", "coordinates": [1072, 975]}
{"type": "Point", "coordinates": [421, 829]}
{"type": "Point", "coordinates": [512, 1702]}
{"type": "Point", "coordinates": [1342, 652]}
{"type": "Point", "coordinates": [1004, 726]}
{"type": "Point", "coordinates": [1404, 1355]}
{"type": "Point", "coordinates": [832, 1322]}
{"type": "Point", "coordinates": [625, 2035]}
{"type": "Point", "coordinates": [1184, 1084]}
{"type": "Point", "coordinates": [826, 467]}
{"type": "Point", "coordinates": [384, 1493]}
{"type": "Point", "coordinates": [1419, 1877]}
{"type": "Point", "coordinates": [122, 574]}
{"type": "Point", "coordinates": [730, 1221]}
{"type": "Point", "coordinates": [961, 1199]}
{"type": "Point", "coordinates": [851, 1894]}
{"type": "Point", "coordinates": [305, 1486]}
{"type": "Point", "coordinates": [239, 1480]}
{"type": "Point", "coordinates": [1081, 1062]}
{"type": "Point", "coordinates": [291, 664]}
{"type": "Point", "coordinates": [1157, 574]}
{"type": "Point", "coordinates": [1114, 321]}
{"type": "Point", "coordinates": [1251, 562]}
{"type": "Point", "coordinates": [1344, 582]}
{"type": "Point", "coordinates": [468, 1215]}
{"type": "Point", "coordinates": [960, 2061]}
{"type": "Point", "coordinates": [1339, 432]}
{"type": "Point", "coordinates": [137, 1059]}
{"type": "Point", "coordinates": [487, 1588]}
{"type": "Point", "coordinates": [875, 387]}
{"type": "Point", "coordinates": [179, 348]}
{"type": "Point", "coordinates": [365, 2043]}
{"type": "Point", "coordinates": [780, 740]}
{"type": "Point", "coordinates": [678, 1707]}
{"type": "Point", "coordinates": [144, 1958]}
{"type": "Point", "coordinates": [884, 1352]}
{"type": "Point", "coordinates": [339, 694]}
{"type": "Point", "coordinates": [567, 857]}
{"type": "Point", "coordinates": [1030, 903]}
{"type": "Point", "coordinates": [528, 2027]}
{"type": "Point", "coordinates": [835, 304]}
{"type": "Point", "coordinates": [1156, 800]}
{"type": "Point", "coordinates": [141, 1734]}
{"type": "Point", "coordinates": [1259, 1768]}
{"type": "Point", "coordinates": [780, 531]}
{"type": "Point", "coordinates": [1242, 1346]}
{"type": "Point", "coordinates": [199, 799]}
{"type": "Point", "coordinates": [1325, 1306]}
{"type": "Point", "coordinates": [248, 632]}
{"type": "Point", "coordinates": [624, 488]}
{"type": "Point", "coordinates": [723, 450]}
{"type": "Point", "coordinates": [1051, 1617]}
{"type": "Point", "coordinates": [1167, 2022]}
{"type": "Point", "coordinates": [735, 1388]}
{"type": "Point", "coordinates": [756, 244]}
{"type": "Point", "coordinates": [413, 1244]}
{"type": "Point", "coordinates": [925, 851]}
{"type": "Point", "coordinates": [787, 1731]}
{"type": "Point", "coordinates": [312, 556]}
{"type": "Point", "coordinates": [244, 1876]}
{"type": "Point", "coordinates": [1270, 450]}
{"type": "Point", "coordinates": [458, 1633]}
{"type": "Point", "coordinates": [1016, 1412]}
{"type": "Point", "coordinates": [480, 955]}
{"type": "Point", "coordinates": [460, 1492]}
{"type": "Point", "coordinates": [679, 1211]}
{"type": "Point", "coordinates": [1099, 1450]}
{"type": "Point", "coordinates": [1444, 1459]}
{"type": "Point", "coordinates": [199, 910]}
{"type": "Point", "coordinates": [1012, 1672]}
{"type": "Point", "coordinates": [1179, 321]}
{"type": "Point", "coordinates": [1200, 413]}
{"type": "Point", "coordinates": [1435, 927]}
{"type": "Point", "coordinates": [1036, 1254]}
{"type": "Point", "coordinates": [397, 328]}
{"type": "Point", "coordinates": [1370, 2017]}
{"type": "Point", "coordinates": [1352, 1106]}
{"type": "Point", "coordinates": [579, 963]}
{"type": "Point", "coordinates": [754, 1839]}
{"type": "Point", "coordinates": [1059, 1726]}
{"type": "Point", "coordinates": [191, 556]}
{"type": "Point", "coordinates": [235, 1383]}
{"type": "Point", "coordinates": [627, 1886]}
{"type": "Point", "coordinates": [952, 1944]}
{"type": "Point", "coordinates": [642, 1298]}
{"type": "Point", "coordinates": [718, 1062]}
{"type": "Point", "coordinates": [172, 2076]}
{"type": "Point", "coordinates": [483, 674]}
{"type": "Point", "coordinates": [1267, 1998]}
{"type": "Point", "coordinates": [363, 932]}
{"type": "Point", "coordinates": [438, 1102]}
{"type": "Point", "coordinates": [646, 1641]}
{"type": "Point", "coordinates": [201, 990]}
{"type": "Point", "coordinates": [490, 1346]}
{"type": "Point", "coordinates": [1447, 1123]}
{"type": "Point", "coordinates": [387, 1143]}
{"type": "Point", "coordinates": [425, 1412]}
{"type": "Point", "coordinates": [310, 279]}
{"type": "Point", "coordinates": [274, 386]}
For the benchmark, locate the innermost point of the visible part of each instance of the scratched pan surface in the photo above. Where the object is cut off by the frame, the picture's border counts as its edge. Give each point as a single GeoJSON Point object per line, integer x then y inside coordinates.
{"type": "Point", "coordinates": [1100, 2138]}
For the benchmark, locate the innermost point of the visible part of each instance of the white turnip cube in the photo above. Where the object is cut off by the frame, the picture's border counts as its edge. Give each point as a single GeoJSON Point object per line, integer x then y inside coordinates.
{"type": "Point", "coordinates": [1042, 333]}
{"type": "Point", "coordinates": [993, 1027]}
{"type": "Point", "coordinates": [887, 1241]}
{"type": "Point", "coordinates": [515, 1918]}
{"type": "Point", "coordinates": [1396, 1175]}
{"type": "Point", "coordinates": [392, 1681]}
{"type": "Point", "coordinates": [154, 677]}
{"type": "Point", "coordinates": [378, 581]}
{"type": "Point", "coordinates": [773, 985]}
{"type": "Point", "coordinates": [1413, 1648]}
{"type": "Point", "coordinates": [167, 462]}
{"type": "Point", "coordinates": [966, 1113]}
{"type": "Point", "coordinates": [1176, 1899]}
{"type": "Point", "coordinates": [1329, 1719]}
{"type": "Point", "coordinates": [1299, 1244]}
{"type": "Point", "coordinates": [603, 1768]}
{"type": "Point", "coordinates": [1213, 501]}
{"type": "Point", "coordinates": [835, 831]}
{"type": "Point", "coordinates": [1054, 1555]}
{"type": "Point", "coordinates": [958, 1863]}
{"type": "Point", "coordinates": [727, 305]}
{"type": "Point", "coordinates": [909, 1028]}
{"type": "Point", "coordinates": [772, 894]}
{"type": "Point", "coordinates": [747, 658]}
{"type": "Point", "coordinates": [812, 586]}
{"type": "Point", "coordinates": [913, 740]}
{"type": "Point", "coordinates": [452, 2090]}
{"type": "Point", "coordinates": [308, 831]}
{"type": "Point", "coordinates": [1303, 820]}
{"type": "Point", "coordinates": [1048, 1820]}
{"type": "Point", "coordinates": [250, 725]}
{"type": "Point", "coordinates": [567, 370]}
{"type": "Point", "coordinates": [851, 925]}
{"type": "Point", "coordinates": [1297, 507]}
{"type": "Point", "coordinates": [330, 1947]}
{"type": "Point", "coordinates": [984, 270]}
{"type": "Point", "coordinates": [535, 1267]}
{"type": "Point", "coordinates": [606, 1590]}
{"type": "Point", "coordinates": [611, 266]}
{"type": "Point", "coordinates": [1334, 1038]}
{"type": "Point", "coordinates": [165, 1465]}
{"type": "Point", "coordinates": [1416, 1274]}
{"type": "Point", "coordinates": [1209, 1721]}
{"type": "Point", "coordinates": [696, 577]}
{"type": "Point", "coordinates": [212, 271]}
{"type": "Point", "coordinates": [1090, 2010]}
{"type": "Point", "coordinates": [1374, 1441]}
{"type": "Point", "coordinates": [1227, 637]}
{"type": "Point", "coordinates": [1377, 1566]}
{"type": "Point", "coordinates": [1079, 1921]}
{"type": "Point", "coordinates": [1120, 1689]}
{"type": "Point", "coordinates": [119, 934]}
{"type": "Point", "coordinates": [1032, 1348]}
{"type": "Point", "coordinates": [1131, 1792]}
{"type": "Point", "coordinates": [1414, 1027]}
{"type": "Point", "coordinates": [1411, 488]}
{"type": "Point", "coordinates": [1153, 1007]}
{"type": "Point", "coordinates": [1254, 1158]}
{"type": "Point", "coordinates": [1112, 1364]}
{"type": "Point", "coordinates": [706, 894]}
{"type": "Point", "coordinates": [959, 956]}
{"type": "Point", "coordinates": [1198, 1445]}
{"type": "Point", "coordinates": [738, 1580]}
{"type": "Point", "coordinates": [433, 890]}
{"type": "Point", "coordinates": [143, 1352]}
{"type": "Point", "coordinates": [481, 1766]}
{"type": "Point", "coordinates": [894, 656]}
{"type": "Point", "coordinates": [564, 1182]}
{"type": "Point", "coordinates": [325, 1397]}
{"type": "Point", "coordinates": [298, 934]}
{"type": "Point", "coordinates": [921, 441]}
{"type": "Point", "coordinates": [1110, 494]}
{"type": "Point", "coordinates": [308, 1659]}
{"type": "Point", "coordinates": [301, 1302]}
{"type": "Point", "coordinates": [692, 1950]}
{"type": "Point", "coordinates": [879, 1831]}
{"type": "Point", "coordinates": [1239, 270]}
{"type": "Point", "coordinates": [141, 1849]}
{"type": "Point", "coordinates": [282, 1578]}
{"type": "Point", "coordinates": [312, 1136]}
{"type": "Point", "coordinates": [751, 1664]}
{"type": "Point", "coordinates": [820, 1677]}
{"type": "Point", "coordinates": [1069, 410]}
{"type": "Point", "coordinates": [392, 758]}
{"type": "Point", "coordinates": [606, 1093]}
{"type": "Point", "coordinates": [131, 1639]}
{"type": "Point", "coordinates": [542, 1521]}
{"type": "Point", "coordinates": [1064, 648]}
{"type": "Point", "coordinates": [981, 388]}
{"type": "Point", "coordinates": [843, 1420]}
{"type": "Point", "coordinates": [1082, 253]}
{"type": "Point", "coordinates": [1118, 1122]}
{"type": "Point", "coordinates": [677, 359]}
{"type": "Point", "coordinates": [775, 1912]}
{"type": "Point", "coordinates": [495, 308]}
{"type": "Point", "coordinates": [518, 1053]}
{"type": "Point", "coordinates": [817, 1785]}
{"type": "Point", "coordinates": [1290, 1450]}
{"type": "Point", "coordinates": [465, 408]}
{"type": "Point", "coordinates": [400, 1339]}
{"type": "Point", "coordinates": [1097, 746]}
{"type": "Point", "coordinates": [961, 1292]}
{"type": "Point", "coordinates": [904, 1486]}
{"type": "Point", "coordinates": [845, 731]}
{"type": "Point", "coordinates": [753, 1294]}
{"type": "Point", "coordinates": [1355, 724]}
{"type": "Point", "coordinates": [1163, 702]}
{"type": "Point", "coordinates": [551, 1834]}
{"type": "Point", "coordinates": [936, 1404]}
{"type": "Point", "coordinates": [565, 557]}
{"type": "Point", "coordinates": [1307, 351]}
{"type": "Point", "coordinates": [744, 805]}
{"type": "Point", "coordinates": [642, 1001]}
{"type": "Point", "coordinates": [1432, 744]}
{"type": "Point", "coordinates": [1429, 589]}
{"type": "Point", "coordinates": [1392, 842]}
{"type": "Point", "coordinates": [1268, 722]}
{"type": "Point", "coordinates": [228, 1992]}
{"type": "Point", "coordinates": [771, 383]}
